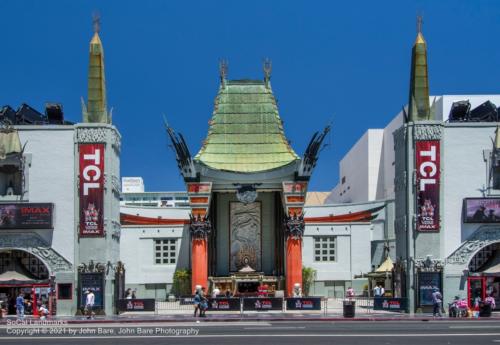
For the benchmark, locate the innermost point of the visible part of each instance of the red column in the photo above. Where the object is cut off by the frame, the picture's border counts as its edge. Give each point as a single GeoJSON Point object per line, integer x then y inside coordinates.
{"type": "Point", "coordinates": [199, 263]}
{"type": "Point", "coordinates": [293, 264]}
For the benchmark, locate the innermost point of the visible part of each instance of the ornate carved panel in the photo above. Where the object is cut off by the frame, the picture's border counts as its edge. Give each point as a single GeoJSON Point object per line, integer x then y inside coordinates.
{"type": "Point", "coordinates": [115, 182]}
{"type": "Point", "coordinates": [116, 141]}
{"type": "Point", "coordinates": [91, 135]}
{"type": "Point", "coordinates": [245, 236]}
{"type": "Point", "coordinates": [429, 265]}
{"type": "Point", "coordinates": [200, 227]}
{"type": "Point", "coordinates": [481, 238]}
{"type": "Point", "coordinates": [295, 226]}
{"type": "Point", "coordinates": [34, 244]}
{"type": "Point", "coordinates": [428, 132]}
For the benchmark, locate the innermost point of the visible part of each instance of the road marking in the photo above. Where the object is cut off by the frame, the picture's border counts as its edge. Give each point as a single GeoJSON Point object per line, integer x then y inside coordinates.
{"type": "Point", "coordinates": [462, 327]}
{"type": "Point", "coordinates": [143, 325]}
{"type": "Point", "coordinates": [276, 327]}
{"type": "Point", "coordinates": [427, 335]}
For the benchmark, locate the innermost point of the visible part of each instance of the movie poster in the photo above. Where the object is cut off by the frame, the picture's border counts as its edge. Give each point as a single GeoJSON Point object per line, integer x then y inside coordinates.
{"type": "Point", "coordinates": [427, 171]}
{"type": "Point", "coordinates": [91, 189]}
{"type": "Point", "coordinates": [482, 210]}
{"type": "Point", "coordinates": [26, 216]}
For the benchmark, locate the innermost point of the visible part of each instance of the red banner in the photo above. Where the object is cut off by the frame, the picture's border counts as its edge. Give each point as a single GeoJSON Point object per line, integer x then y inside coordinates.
{"type": "Point", "coordinates": [91, 189]}
{"type": "Point", "coordinates": [428, 175]}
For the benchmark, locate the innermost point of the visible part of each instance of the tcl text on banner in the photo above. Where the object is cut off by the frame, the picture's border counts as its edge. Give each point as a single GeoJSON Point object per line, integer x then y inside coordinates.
{"type": "Point", "coordinates": [428, 175]}
{"type": "Point", "coordinates": [91, 189]}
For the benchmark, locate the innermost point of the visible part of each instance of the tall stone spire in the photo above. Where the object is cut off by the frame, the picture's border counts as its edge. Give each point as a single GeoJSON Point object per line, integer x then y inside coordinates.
{"type": "Point", "coordinates": [96, 109]}
{"type": "Point", "coordinates": [497, 140]}
{"type": "Point", "coordinates": [418, 106]}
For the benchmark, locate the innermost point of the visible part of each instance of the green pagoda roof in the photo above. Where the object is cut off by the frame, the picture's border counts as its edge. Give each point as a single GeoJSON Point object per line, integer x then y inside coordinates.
{"type": "Point", "coordinates": [246, 132]}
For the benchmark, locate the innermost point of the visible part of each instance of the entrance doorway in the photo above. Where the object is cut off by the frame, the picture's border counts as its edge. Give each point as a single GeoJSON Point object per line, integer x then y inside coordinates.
{"type": "Point", "coordinates": [248, 288]}
{"type": "Point", "coordinates": [484, 276]}
{"type": "Point", "coordinates": [23, 273]}
{"type": "Point", "coordinates": [34, 296]}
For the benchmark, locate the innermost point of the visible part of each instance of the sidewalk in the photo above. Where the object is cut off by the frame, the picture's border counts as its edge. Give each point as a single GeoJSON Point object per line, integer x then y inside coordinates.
{"type": "Point", "coordinates": [136, 317]}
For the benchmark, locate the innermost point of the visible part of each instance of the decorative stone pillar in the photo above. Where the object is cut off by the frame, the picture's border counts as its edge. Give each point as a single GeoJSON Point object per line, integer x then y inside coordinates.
{"type": "Point", "coordinates": [200, 228]}
{"type": "Point", "coordinates": [294, 227]}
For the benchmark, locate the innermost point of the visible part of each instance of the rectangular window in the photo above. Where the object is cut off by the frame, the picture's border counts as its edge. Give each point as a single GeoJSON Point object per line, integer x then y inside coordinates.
{"type": "Point", "coordinates": [165, 251]}
{"type": "Point", "coordinates": [65, 291]}
{"type": "Point", "coordinates": [324, 248]}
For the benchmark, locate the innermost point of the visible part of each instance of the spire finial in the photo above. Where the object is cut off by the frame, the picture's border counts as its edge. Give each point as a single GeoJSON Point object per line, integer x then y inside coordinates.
{"type": "Point", "coordinates": [420, 22]}
{"type": "Point", "coordinates": [223, 66]}
{"type": "Point", "coordinates": [267, 66]}
{"type": "Point", "coordinates": [497, 139]}
{"type": "Point", "coordinates": [96, 22]}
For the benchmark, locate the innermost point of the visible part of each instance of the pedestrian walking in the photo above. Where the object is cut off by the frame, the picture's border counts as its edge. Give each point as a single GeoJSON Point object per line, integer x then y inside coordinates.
{"type": "Point", "coordinates": [203, 303]}
{"type": "Point", "coordinates": [89, 304]}
{"type": "Point", "coordinates": [376, 291]}
{"type": "Point", "coordinates": [20, 305]}
{"type": "Point", "coordinates": [196, 302]}
{"type": "Point", "coordinates": [437, 302]}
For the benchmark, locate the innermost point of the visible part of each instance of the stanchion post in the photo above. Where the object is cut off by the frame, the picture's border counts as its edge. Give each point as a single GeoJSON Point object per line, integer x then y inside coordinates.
{"type": "Point", "coordinates": [241, 307]}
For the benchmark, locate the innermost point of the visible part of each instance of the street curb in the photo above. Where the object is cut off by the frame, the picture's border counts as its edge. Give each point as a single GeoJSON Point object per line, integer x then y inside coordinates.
{"type": "Point", "coordinates": [277, 319]}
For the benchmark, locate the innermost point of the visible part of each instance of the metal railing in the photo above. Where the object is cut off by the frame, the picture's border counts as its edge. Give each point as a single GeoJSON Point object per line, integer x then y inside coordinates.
{"type": "Point", "coordinates": [329, 306]}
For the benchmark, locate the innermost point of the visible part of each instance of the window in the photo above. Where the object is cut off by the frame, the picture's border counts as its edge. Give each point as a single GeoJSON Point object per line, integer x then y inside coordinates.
{"type": "Point", "coordinates": [65, 291]}
{"type": "Point", "coordinates": [165, 251]}
{"type": "Point", "coordinates": [324, 248]}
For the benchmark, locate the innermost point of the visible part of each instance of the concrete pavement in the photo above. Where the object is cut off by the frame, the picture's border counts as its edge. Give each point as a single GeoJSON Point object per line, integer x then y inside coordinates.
{"type": "Point", "coordinates": [262, 332]}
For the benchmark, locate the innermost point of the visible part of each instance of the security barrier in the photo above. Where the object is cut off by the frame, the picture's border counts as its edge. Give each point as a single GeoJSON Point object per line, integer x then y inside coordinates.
{"type": "Point", "coordinates": [318, 305]}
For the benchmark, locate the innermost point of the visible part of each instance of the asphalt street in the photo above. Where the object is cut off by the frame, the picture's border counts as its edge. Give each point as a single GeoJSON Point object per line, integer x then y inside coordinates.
{"type": "Point", "coordinates": [261, 333]}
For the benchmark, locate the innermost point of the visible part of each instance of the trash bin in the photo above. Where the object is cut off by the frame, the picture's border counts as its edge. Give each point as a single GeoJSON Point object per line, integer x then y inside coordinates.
{"type": "Point", "coordinates": [349, 308]}
{"type": "Point", "coordinates": [484, 309]}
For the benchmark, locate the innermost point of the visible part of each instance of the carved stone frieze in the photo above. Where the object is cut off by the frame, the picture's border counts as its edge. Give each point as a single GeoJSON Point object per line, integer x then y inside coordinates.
{"type": "Point", "coordinates": [428, 132]}
{"type": "Point", "coordinates": [429, 265]}
{"type": "Point", "coordinates": [34, 244]}
{"type": "Point", "coordinates": [480, 239]}
{"type": "Point", "coordinates": [116, 141]}
{"type": "Point", "coordinates": [200, 227]}
{"type": "Point", "coordinates": [295, 226]}
{"type": "Point", "coordinates": [91, 135]}
{"type": "Point", "coordinates": [92, 267]}
{"type": "Point", "coordinates": [115, 182]}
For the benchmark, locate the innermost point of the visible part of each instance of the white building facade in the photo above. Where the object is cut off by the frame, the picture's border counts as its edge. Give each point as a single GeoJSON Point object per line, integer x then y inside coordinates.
{"type": "Point", "coordinates": [155, 244]}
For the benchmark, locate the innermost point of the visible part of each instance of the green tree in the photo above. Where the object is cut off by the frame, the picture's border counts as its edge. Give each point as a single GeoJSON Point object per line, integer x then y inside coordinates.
{"type": "Point", "coordinates": [308, 274]}
{"type": "Point", "coordinates": [182, 282]}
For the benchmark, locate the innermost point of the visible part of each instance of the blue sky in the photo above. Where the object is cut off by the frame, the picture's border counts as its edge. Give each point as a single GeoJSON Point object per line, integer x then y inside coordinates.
{"type": "Point", "coordinates": [346, 60]}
